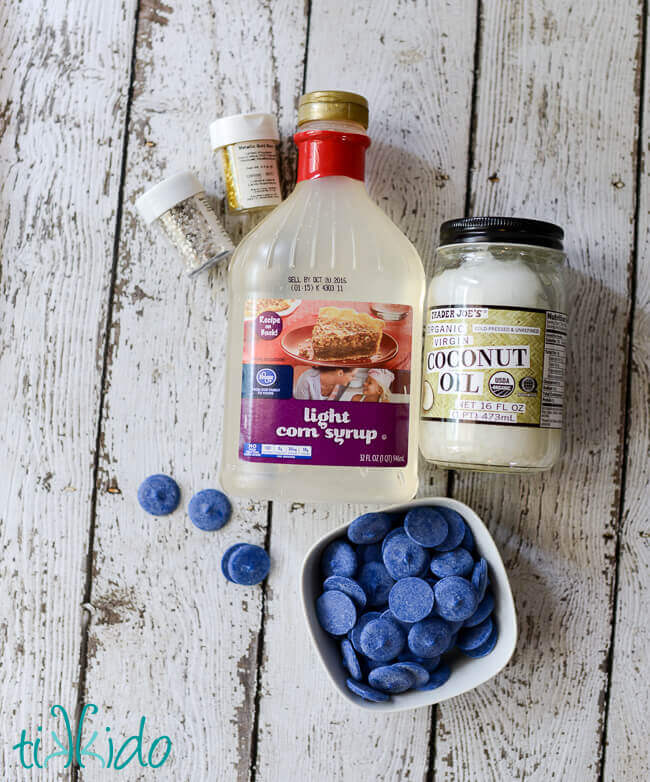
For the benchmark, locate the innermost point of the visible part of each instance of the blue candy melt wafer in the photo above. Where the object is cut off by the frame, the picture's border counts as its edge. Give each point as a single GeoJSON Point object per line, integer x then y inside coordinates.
{"type": "Point", "coordinates": [485, 608]}
{"type": "Point", "coordinates": [429, 663]}
{"type": "Point", "coordinates": [390, 678]}
{"type": "Point", "coordinates": [457, 562]}
{"type": "Point", "coordinates": [472, 637]}
{"type": "Point", "coordinates": [480, 578]}
{"type": "Point", "coordinates": [209, 510]}
{"type": "Point", "coordinates": [403, 557]}
{"type": "Point", "coordinates": [456, 529]}
{"type": "Point", "coordinates": [390, 616]}
{"type": "Point", "coordinates": [438, 677]}
{"type": "Point", "coordinates": [468, 539]}
{"type": "Point", "coordinates": [486, 648]}
{"type": "Point", "coordinates": [226, 559]}
{"type": "Point", "coordinates": [370, 553]}
{"type": "Point", "coordinates": [426, 526]}
{"type": "Point", "coordinates": [355, 634]}
{"type": "Point", "coordinates": [336, 612]}
{"type": "Point", "coordinates": [159, 495]}
{"type": "Point", "coordinates": [350, 660]}
{"type": "Point", "coordinates": [348, 586]}
{"type": "Point", "coordinates": [366, 692]}
{"type": "Point", "coordinates": [248, 565]}
{"type": "Point", "coordinates": [456, 598]}
{"type": "Point", "coordinates": [376, 582]}
{"type": "Point", "coordinates": [339, 559]}
{"type": "Point", "coordinates": [370, 528]}
{"type": "Point", "coordinates": [419, 672]}
{"type": "Point", "coordinates": [391, 534]}
{"type": "Point", "coordinates": [411, 599]}
{"type": "Point", "coordinates": [429, 638]}
{"type": "Point", "coordinates": [382, 640]}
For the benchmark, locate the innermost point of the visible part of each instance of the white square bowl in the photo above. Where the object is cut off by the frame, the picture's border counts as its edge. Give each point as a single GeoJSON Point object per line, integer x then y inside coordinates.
{"type": "Point", "coordinates": [466, 673]}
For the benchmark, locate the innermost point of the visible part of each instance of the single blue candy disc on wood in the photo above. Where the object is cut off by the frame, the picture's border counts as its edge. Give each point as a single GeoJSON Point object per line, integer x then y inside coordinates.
{"type": "Point", "coordinates": [457, 562]}
{"type": "Point", "coordinates": [370, 528]}
{"type": "Point", "coordinates": [209, 510]}
{"type": "Point", "coordinates": [390, 678]}
{"type": "Point", "coordinates": [456, 529]}
{"type": "Point", "coordinates": [376, 582]}
{"type": "Point", "coordinates": [336, 612]}
{"type": "Point", "coordinates": [366, 692]}
{"type": "Point", "coordinates": [486, 648]}
{"type": "Point", "coordinates": [480, 578]}
{"type": "Point", "coordinates": [429, 638]}
{"type": "Point", "coordinates": [355, 634]}
{"type": "Point", "coordinates": [349, 587]}
{"type": "Point", "coordinates": [159, 495]}
{"type": "Point", "coordinates": [226, 559]}
{"type": "Point", "coordinates": [472, 637]}
{"type": "Point", "coordinates": [248, 565]}
{"type": "Point", "coordinates": [350, 660]}
{"type": "Point", "coordinates": [485, 608]}
{"type": "Point", "coordinates": [437, 678]}
{"type": "Point", "coordinates": [403, 557]}
{"type": "Point", "coordinates": [411, 599]}
{"type": "Point", "coordinates": [456, 598]}
{"type": "Point", "coordinates": [426, 526]}
{"type": "Point", "coordinates": [382, 640]}
{"type": "Point", "coordinates": [339, 559]}
{"type": "Point", "coordinates": [419, 672]}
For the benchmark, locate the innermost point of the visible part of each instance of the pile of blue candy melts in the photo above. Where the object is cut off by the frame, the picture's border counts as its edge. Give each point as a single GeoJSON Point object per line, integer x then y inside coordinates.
{"type": "Point", "coordinates": [404, 594]}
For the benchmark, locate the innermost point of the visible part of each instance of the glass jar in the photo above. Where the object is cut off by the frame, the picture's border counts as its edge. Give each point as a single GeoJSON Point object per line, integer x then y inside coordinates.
{"type": "Point", "coordinates": [179, 207]}
{"type": "Point", "coordinates": [494, 350]}
{"type": "Point", "coordinates": [248, 147]}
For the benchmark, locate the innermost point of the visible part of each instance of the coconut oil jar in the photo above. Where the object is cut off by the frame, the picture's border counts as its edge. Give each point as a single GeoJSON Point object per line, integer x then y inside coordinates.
{"type": "Point", "coordinates": [494, 346]}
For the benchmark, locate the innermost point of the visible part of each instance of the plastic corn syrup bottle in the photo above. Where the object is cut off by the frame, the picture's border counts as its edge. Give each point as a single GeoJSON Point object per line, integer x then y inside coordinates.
{"type": "Point", "coordinates": [324, 332]}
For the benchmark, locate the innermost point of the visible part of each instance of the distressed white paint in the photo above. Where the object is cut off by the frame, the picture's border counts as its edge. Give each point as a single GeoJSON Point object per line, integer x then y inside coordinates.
{"type": "Point", "coordinates": [170, 639]}
{"type": "Point", "coordinates": [64, 73]}
{"type": "Point", "coordinates": [395, 55]}
{"type": "Point", "coordinates": [555, 129]}
{"type": "Point", "coordinates": [627, 754]}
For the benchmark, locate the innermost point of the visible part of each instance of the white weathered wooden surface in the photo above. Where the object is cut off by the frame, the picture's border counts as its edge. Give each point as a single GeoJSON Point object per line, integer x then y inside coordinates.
{"type": "Point", "coordinates": [167, 632]}
{"type": "Point", "coordinates": [551, 131]}
{"type": "Point", "coordinates": [64, 75]}
{"type": "Point", "coordinates": [627, 755]}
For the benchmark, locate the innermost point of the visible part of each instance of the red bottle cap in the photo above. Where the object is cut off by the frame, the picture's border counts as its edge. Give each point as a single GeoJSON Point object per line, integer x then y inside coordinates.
{"type": "Point", "coordinates": [330, 153]}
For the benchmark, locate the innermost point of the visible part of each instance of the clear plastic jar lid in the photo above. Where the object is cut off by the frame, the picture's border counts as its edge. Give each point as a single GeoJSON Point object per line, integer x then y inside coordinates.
{"type": "Point", "coordinates": [171, 191]}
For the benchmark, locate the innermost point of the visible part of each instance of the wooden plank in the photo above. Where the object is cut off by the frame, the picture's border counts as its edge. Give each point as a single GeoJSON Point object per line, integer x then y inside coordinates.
{"type": "Point", "coordinates": [555, 126]}
{"type": "Point", "coordinates": [414, 63]}
{"type": "Point", "coordinates": [170, 639]}
{"type": "Point", "coordinates": [64, 72]}
{"type": "Point", "coordinates": [627, 753]}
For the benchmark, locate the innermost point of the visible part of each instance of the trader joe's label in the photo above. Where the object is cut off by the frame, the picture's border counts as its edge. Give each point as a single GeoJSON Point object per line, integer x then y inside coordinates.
{"type": "Point", "coordinates": [494, 365]}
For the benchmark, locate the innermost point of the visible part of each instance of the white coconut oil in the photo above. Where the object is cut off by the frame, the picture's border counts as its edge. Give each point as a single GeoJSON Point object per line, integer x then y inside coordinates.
{"type": "Point", "coordinates": [495, 329]}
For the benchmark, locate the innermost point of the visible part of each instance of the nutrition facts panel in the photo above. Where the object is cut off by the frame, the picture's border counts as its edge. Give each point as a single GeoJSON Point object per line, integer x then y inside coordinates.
{"type": "Point", "coordinates": [553, 377]}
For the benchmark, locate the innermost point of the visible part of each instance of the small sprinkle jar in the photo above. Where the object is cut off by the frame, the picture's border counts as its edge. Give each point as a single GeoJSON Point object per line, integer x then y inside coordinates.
{"type": "Point", "coordinates": [248, 147]}
{"type": "Point", "coordinates": [183, 213]}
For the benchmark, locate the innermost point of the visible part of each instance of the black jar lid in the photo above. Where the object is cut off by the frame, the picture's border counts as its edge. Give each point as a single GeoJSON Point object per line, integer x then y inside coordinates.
{"type": "Point", "coordinates": [502, 230]}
